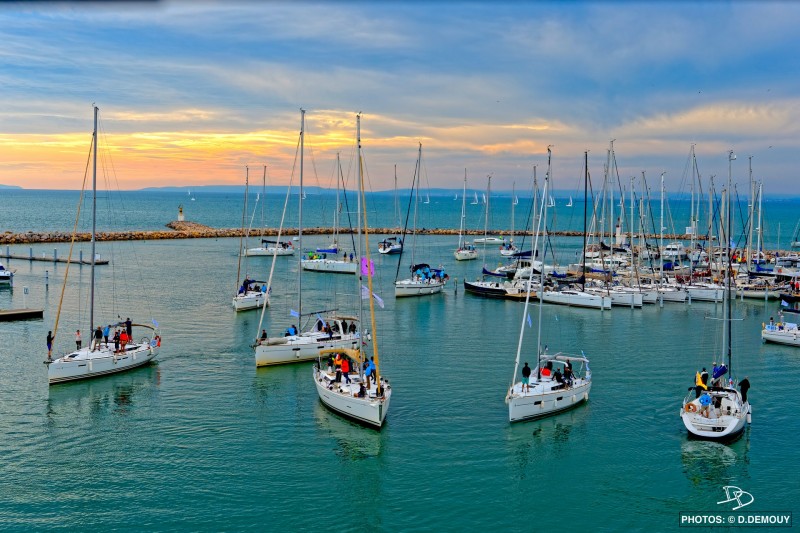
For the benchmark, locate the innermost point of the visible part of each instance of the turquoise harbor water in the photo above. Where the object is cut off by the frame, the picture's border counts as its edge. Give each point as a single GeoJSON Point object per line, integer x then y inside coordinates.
{"type": "Point", "coordinates": [203, 441]}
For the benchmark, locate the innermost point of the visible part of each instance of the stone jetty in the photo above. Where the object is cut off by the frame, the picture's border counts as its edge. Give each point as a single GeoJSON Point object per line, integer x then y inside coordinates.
{"type": "Point", "coordinates": [193, 230]}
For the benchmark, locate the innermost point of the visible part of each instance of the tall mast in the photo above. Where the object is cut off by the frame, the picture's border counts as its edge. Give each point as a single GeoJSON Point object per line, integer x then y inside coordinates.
{"type": "Point", "coordinates": [378, 387]}
{"type": "Point", "coordinates": [752, 205]}
{"type": "Point", "coordinates": [463, 211]}
{"type": "Point", "coordinates": [537, 224]}
{"type": "Point", "coordinates": [360, 250]}
{"type": "Point", "coordinates": [396, 204]}
{"type": "Point", "coordinates": [94, 223]}
{"type": "Point", "coordinates": [513, 199]}
{"type": "Point", "coordinates": [263, 201]}
{"type": "Point", "coordinates": [417, 172]}
{"type": "Point", "coordinates": [300, 216]}
{"type": "Point", "coordinates": [241, 237]}
{"type": "Point", "coordinates": [585, 214]}
{"type": "Point", "coordinates": [661, 236]}
{"type": "Point", "coordinates": [727, 311]}
{"type": "Point", "coordinates": [336, 209]}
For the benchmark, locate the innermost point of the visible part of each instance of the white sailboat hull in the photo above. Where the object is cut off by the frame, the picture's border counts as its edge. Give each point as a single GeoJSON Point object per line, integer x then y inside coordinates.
{"type": "Point", "coordinates": [341, 398]}
{"type": "Point", "coordinates": [85, 364]}
{"type": "Point", "coordinates": [542, 401]}
{"type": "Point", "coordinates": [411, 287]}
{"type": "Point", "coordinates": [705, 294]}
{"type": "Point", "coordinates": [336, 266]}
{"type": "Point", "coordinates": [390, 249]}
{"type": "Point", "coordinates": [251, 252]}
{"type": "Point", "coordinates": [489, 240]}
{"type": "Point", "coordinates": [720, 428]}
{"type": "Point", "coordinates": [465, 255]}
{"type": "Point", "coordinates": [621, 298]}
{"type": "Point", "coordinates": [576, 299]}
{"type": "Point", "coordinates": [249, 300]}
{"type": "Point", "coordinates": [297, 348]}
{"type": "Point", "coordinates": [788, 335]}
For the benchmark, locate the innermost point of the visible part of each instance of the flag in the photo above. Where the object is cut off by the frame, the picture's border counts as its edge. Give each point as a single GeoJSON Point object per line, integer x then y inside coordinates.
{"type": "Point", "coordinates": [784, 304]}
{"type": "Point", "coordinates": [294, 313]}
{"type": "Point", "coordinates": [365, 295]}
{"type": "Point", "coordinates": [322, 320]}
{"type": "Point", "coordinates": [364, 271]}
{"type": "Point", "coordinates": [378, 299]}
{"type": "Point", "coordinates": [530, 322]}
{"type": "Point", "coordinates": [155, 323]}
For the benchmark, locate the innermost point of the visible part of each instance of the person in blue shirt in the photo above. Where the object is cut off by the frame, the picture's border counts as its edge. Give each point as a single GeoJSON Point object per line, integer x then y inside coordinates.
{"type": "Point", "coordinates": [370, 371]}
{"type": "Point", "coordinates": [705, 404]}
{"type": "Point", "coordinates": [106, 332]}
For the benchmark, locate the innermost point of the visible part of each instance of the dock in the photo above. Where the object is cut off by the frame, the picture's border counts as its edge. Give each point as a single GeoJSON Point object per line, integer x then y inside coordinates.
{"type": "Point", "coordinates": [51, 258]}
{"type": "Point", "coordinates": [7, 315]}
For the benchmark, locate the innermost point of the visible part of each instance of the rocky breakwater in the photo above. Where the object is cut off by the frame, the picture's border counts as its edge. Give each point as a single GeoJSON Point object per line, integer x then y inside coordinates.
{"type": "Point", "coordinates": [193, 230]}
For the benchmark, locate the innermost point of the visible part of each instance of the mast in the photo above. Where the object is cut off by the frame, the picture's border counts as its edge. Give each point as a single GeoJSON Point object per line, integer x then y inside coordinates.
{"type": "Point", "coordinates": [300, 217]}
{"type": "Point", "coordinates": [463, 210]}
{"type": "Point", "coordinates": [661, 236]}
{"type": "Point", "coordinates": [263, 201]}
{"type": "Point", "coordinates": [378, 388]}
{"type": "Point", "coordinates": [539, 223]}
{"type": "Point", "coordinates": [396, 203]}
{"type": "Point", "coordinates": [513, 200]}
{"type": "Point", "coordinates": [585, 214]}
{"type": "Point", "coordinates": [241, 237]}
{"type": "Point", "coordinates": [417, 172]}
{"type": "Point", "coordinates": [727, 307]}
{"type": "Point", "coordinates": [336, 209]}
{"type": "Point", "coordinates": [752, 205]}
{"type": "Point", "coordinates": [94, 224]}
{"type": "Point", "coordinates": [486, 216]}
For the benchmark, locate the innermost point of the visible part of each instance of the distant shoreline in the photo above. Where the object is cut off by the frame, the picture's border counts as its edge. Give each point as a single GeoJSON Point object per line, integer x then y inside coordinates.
{"type": "Point", "coordinates": [192, 230]}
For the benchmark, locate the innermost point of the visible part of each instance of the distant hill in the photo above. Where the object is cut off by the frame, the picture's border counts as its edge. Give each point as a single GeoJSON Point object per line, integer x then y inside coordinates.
{"type": "Point", "coordinates": [9, 186]}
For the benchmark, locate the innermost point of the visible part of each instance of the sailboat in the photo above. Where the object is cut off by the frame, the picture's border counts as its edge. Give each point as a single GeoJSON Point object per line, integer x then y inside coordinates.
{"type": "Point", "coordinates": [327, 259]}
{"type": "Point", "coordinates": [795, 242]}
{"type": "Point", "coordinates": [465, 251]}
{"type": "Point", "coordinates": [358, 396]}
{"type": "Point", "coordinates": [424, 279]}
{"type": "Point", "coordinates": [323, 329]}
{"type": "Point", "coordinates": [569, 204]}
{"type": "Point", "coordinates": [475, 200]}
{"type": "Point", "coordinates": [545, 390]}
{"type": "Point", "coordinates": [488, 239]}
{"type": "Point", "coordinates": [719, 411]}
{"type": "Point", "coordinates": [333, 247]}
{"type": "Point", "coordinates": [250, 294]}
{"type": "Point", "coordinates": [99, 359]}
{"type": "Point", "coordinates": [269, 247]}
{"type": "Point", "coordinates": [509, 249]}
{"type": "Point", "coordinates": [393, 245]}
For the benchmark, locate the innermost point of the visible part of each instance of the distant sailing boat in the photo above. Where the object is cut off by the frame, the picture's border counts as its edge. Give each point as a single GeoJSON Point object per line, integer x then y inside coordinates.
{"type": "Point", "coordinates": [248, 294]}
{"type": "Point", "coordinates": [465, 251]}
{"type": "Point", "coordinates": [357, 396]}
{"type": "Point", "coordinates": [98, 358]}
{"type": "Point", "coordinates": [393, 245]}
{"type": "Point", "coordinates": [475, 201]}
{"type": "Point", "coordinates": [569, 204]}
{"type": "Point", "coordinates": [424, 279]}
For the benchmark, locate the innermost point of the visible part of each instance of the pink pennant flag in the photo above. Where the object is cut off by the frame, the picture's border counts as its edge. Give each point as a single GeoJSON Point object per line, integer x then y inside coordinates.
{"type": "Point", "coordinates": [364, 267]}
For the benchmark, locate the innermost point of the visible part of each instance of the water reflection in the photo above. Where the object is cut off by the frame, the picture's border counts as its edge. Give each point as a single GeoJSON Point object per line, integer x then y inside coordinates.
{"type": "Point", "coordinates": [354, 442]}
{"type": "Point", "coordinates": [540, 441]}
{"type": "Point", "coordinates": [712, 463]}
{"type": "Point", "coordinates": [110, 394]}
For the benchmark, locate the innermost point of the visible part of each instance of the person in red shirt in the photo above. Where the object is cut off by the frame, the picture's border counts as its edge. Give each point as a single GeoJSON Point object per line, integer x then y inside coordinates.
{"type": "Point", "coordinates": [346, 369]}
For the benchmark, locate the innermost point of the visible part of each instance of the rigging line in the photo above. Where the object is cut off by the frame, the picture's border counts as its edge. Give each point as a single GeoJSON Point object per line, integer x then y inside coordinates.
{"type": "Point", "coordinates": [74, 234]}
{"type": "Point", "coordinates": [278, 240]}
{"type": "Point", "coordinates": [106, 155]}
{"type": "Point", "coordinates": [405, 226]}
{"type": "Point", "coordinates": [241, 235]}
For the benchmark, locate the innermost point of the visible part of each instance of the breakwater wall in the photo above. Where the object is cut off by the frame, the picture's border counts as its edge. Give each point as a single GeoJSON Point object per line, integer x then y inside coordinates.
{"type": "Point", "coordinates": [193, 230]}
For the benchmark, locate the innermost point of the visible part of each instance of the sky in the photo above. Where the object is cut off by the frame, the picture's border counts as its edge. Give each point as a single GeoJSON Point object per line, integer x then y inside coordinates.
{"type": "Point", "coordinates": [191, 93]}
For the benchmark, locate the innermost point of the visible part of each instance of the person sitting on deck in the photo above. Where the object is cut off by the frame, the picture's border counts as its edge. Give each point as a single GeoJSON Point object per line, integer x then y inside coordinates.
{"type": "Point", "coordinates": [558, 377]}
{"type": "Point", "coordinates": [263, 334]}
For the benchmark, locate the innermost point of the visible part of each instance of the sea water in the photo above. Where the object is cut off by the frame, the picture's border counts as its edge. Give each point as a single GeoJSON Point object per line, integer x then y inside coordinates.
{"type": "Point", "coordinates": [202, 440]}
